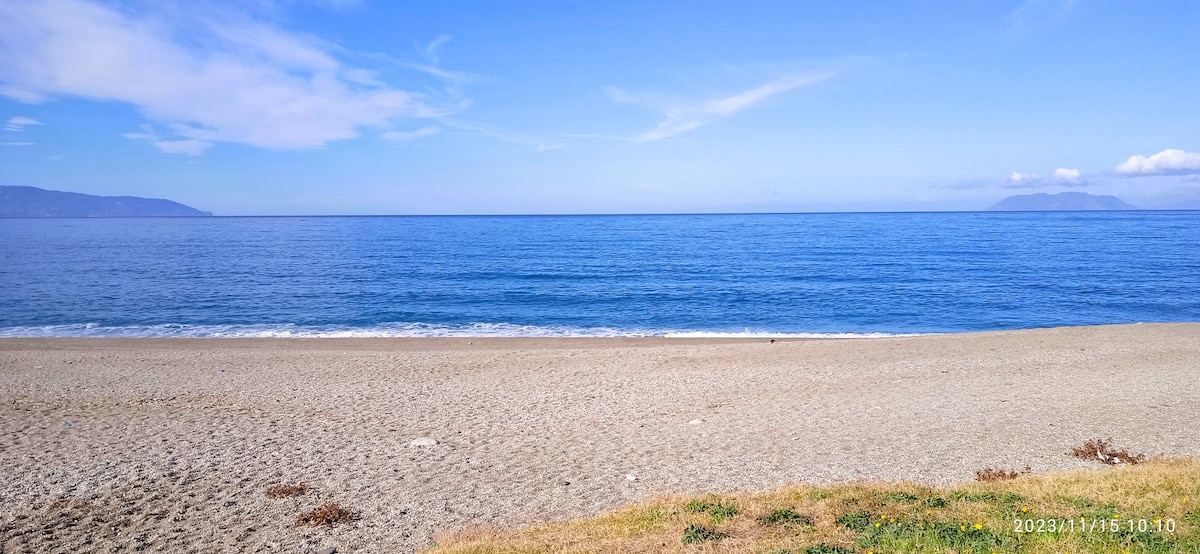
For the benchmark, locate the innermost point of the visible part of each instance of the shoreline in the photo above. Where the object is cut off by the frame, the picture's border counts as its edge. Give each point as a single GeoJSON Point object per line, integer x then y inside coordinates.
{"type": "Point", "coordinates": [532, 429]}
{"type": "Point", "coordinates": [408, 342]}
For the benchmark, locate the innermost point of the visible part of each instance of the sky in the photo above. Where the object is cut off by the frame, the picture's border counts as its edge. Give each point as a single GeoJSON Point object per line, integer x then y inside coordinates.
{"type": "Point", "coordinates": [293, 107]}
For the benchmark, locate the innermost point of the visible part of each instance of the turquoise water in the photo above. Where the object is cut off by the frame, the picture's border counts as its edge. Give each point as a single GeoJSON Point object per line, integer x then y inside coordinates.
{"type": "Point", "coordinates": [793, 274]}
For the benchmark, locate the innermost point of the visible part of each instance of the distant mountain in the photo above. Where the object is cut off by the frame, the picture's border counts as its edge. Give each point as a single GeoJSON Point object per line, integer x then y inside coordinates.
{"type": "Point", "coordinates": [35, 202]}
{"type": "Point", "coordinates": [1063, 201]}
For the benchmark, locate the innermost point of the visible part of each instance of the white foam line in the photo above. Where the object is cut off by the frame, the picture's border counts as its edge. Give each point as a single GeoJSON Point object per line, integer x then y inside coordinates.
{"type": "Point", "coordinates": [390, 330]}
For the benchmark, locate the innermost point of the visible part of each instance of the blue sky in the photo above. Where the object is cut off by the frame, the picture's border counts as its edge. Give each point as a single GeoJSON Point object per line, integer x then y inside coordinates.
{"type": "Point", "coordinates": [373, 107]}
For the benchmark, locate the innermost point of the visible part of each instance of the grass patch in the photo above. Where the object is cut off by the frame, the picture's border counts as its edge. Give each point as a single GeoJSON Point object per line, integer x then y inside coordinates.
{"type": "Point", "coordinates": [976, 517]}
{"type": "Point", "coordinates": [822, 548]}
{"type": "Point", "coordinates": [287, 491]}
{"type": "Point", "coordinates": [695, 534]}
{"type": "Point", "coordinates": [328, 514]}
{"type": "Point", "coordinates": [988, 475]}
{"type": "Point", "coordinates": [935, 502]}
{"type": "Point", "coordinates": [785, 516]}
{"type": "Point", "coordinates": [720, 510]}
{"type": "Point", "coordinates": [1101, 450]}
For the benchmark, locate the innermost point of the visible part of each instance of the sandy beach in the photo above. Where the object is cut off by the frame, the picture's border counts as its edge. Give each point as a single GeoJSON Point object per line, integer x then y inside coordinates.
{"type": "Point", "coordinates": [169, 444]}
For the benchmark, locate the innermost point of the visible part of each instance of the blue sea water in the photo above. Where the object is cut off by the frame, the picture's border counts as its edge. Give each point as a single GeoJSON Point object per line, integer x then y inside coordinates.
{"type": "Point", "coordinates": [633, 275]}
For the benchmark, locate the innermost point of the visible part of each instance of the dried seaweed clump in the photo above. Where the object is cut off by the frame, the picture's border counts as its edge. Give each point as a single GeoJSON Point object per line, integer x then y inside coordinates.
{"type": "Point", "coordinates": [329, 514]}
{"type": "Point", "coordinates": [1102, 451]}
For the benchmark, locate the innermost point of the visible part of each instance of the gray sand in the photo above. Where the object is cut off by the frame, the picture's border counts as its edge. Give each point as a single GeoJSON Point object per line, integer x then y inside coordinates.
{"type": "Point", "coordinates": [169, 444]}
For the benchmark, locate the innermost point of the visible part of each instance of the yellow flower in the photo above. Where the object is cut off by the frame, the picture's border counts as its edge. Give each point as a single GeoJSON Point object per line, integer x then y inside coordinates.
{"type": "Point", "coordinates": [877, 524]}
{"type": "Point", "coordinates": [1024, 509]}
{"type": "Point", "coordinates": [979, 526]}
{"type": "Point", "coordinates": [1117, 515]}
{"type": "Point", "coordinates": [962, 527]}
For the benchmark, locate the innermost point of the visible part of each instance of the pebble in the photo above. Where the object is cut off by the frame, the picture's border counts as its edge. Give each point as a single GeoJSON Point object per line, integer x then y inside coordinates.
{"type": "Point", "coordinates": [696, 422]}
{"type": "Point", "coordinates": [630, 477]}
{"type": "Point", "coordinates": [327, 550]}
{"type": "Point", "coordinates": [423, 441]}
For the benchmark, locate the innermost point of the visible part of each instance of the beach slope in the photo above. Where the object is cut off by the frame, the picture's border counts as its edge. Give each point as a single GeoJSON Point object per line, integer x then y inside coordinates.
{"type": "Point", "coordinates": [170, 444]}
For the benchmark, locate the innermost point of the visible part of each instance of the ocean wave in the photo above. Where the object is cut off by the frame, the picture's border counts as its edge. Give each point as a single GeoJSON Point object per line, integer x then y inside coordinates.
{"type": "Point", "coordinates": [386, 330]}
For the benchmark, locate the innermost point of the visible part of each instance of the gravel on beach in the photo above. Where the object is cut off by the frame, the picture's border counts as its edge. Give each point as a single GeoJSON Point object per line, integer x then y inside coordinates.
{"type": "Point", "coordinates": [170, 444]}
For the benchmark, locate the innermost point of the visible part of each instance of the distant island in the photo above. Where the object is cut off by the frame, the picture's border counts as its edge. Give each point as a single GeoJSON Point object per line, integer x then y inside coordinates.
{"type": "Point", "coordinates": [1063, 201]}
{"type": "Point", "coordinates": [36, 202]}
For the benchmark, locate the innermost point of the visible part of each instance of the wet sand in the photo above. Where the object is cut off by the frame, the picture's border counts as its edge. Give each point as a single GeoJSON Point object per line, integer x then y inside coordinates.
{"type": "Point", "coordinates": [169, 444]}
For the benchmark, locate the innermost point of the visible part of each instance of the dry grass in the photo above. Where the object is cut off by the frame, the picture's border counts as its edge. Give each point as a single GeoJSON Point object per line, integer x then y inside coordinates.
{"type": "Point", "coordinates": [988, 475]}
{"type": "Point", "coordinates": [887, 517]}
{"type": "Point", "coordinates": [1102, 451]}
{"type": "Point", "coordinates": [327, 514]}
{"type": "Point", "coordinates": [287, 491]}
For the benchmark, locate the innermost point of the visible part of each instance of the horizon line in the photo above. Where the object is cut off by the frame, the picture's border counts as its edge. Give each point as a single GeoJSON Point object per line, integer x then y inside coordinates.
{"type": "Point", "coordinates": [605, 214]}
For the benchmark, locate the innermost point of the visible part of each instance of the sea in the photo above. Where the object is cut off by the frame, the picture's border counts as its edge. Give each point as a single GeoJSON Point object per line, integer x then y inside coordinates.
{"type": "Point", "coordinates": [711, 275]}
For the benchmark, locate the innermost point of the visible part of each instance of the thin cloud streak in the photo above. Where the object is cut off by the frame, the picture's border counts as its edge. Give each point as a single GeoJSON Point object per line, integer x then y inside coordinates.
{"type": "Point", "coordinates": [405, 136]}
{"type": "Point", "coordinates": [688, 117]}
{"type": "Point", "coordinates": [536, 143]}
{"type": "Point", "coordinates": [17, 124]}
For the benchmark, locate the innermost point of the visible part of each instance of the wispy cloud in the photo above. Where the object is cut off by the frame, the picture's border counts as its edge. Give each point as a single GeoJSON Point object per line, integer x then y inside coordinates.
{"type": "Point", "coordinates": [537, 143]}
{"type": "Point", "coordinates": [405, 136]}
{"type": "Point", "coordinates": [684, 117]}
{"type": "Point", "coordinates": [430, 50]}
{"type": "Point", "coordinates": [187, 147]}
{"type": "Point", "coordinates": [18, 124]}
{"type": "Point", "coordinates": [450, 76]}
{"type": "Point", "coordinates": [217, 78]}
{"type": "Point", "coordinates": [16, 144]}
{"type": "Point", "coordinates": [1035, 13]}
{"type": "Point", "coordinates": [1167, 162]}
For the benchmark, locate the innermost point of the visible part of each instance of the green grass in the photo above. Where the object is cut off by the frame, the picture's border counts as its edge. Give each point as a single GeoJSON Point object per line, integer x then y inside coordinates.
{"type": "Point", "coordinates": [877, 518]}
{"type": "Point", "coordinates": [785, 516]}
{"type": "Point", "coordinates": [720, 510]}
{"type": "Point", "coordinates": [698, 533]}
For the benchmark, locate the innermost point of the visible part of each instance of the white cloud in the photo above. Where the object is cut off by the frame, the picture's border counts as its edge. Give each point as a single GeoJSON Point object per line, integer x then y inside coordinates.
{"type": "Point", "coordinates": [16, 144]}
{"type": "Point", "coordinates": [187, 147]}
{"type": "Point", "coordinates": [1064, 175]}
{"type": "Point", "coordinates": [683, 117]}
{"type": "Point", "coordinates": [207, 78]}
{"type": "Point", "coordinates": [1024, 178]}
{"type": "Point", "coordinates": [403, 136]}
{"type": "Point", "coordinates": [18, 124]}
{"type": "Point", "coordinates": [1167, 162]}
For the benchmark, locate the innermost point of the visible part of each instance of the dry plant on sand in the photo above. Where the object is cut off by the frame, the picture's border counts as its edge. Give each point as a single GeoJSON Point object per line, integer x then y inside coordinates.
{"type": "Point", "coordinates": [329, 514]}
{"type": "Point", "coordinates": [287, 491]}
{"type": "Point", "coordinates": [1103, 451]}
{"type": "Point", "coordinates": [988, 475]}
